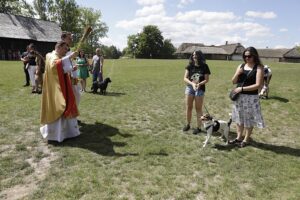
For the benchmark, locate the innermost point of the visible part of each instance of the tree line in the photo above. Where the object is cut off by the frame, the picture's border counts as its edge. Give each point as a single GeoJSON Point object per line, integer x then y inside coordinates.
{"type": "Point", "coordinates": [149, 44]}
{"type": "Point", "coordinates": [73, 18]}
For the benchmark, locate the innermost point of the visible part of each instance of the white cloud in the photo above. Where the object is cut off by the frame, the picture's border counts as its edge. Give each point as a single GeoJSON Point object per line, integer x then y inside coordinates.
{"type": "Point", "coordinates": [197, 26]}
{"type": "Point", "coordinates": [183, 3]}
{"type": "Point", "coordinates": [137, 23]}
{"type": "Point", "coordinates": [151, 10]}
{"type": "Point", "coordinates": [120, 41]}
{"type": "Point", "coordinates": [150, 2]}
{"type": "Point", "coordinates": [263, 15]}
{"type": "Point", "coordinates": [283, 30]}
{"type": "Point", "coordinates": [106, 41]}
{"type": "Point", "coordinates": [200, 16]}
{"type": "Point", "coordinates": [209, 30]}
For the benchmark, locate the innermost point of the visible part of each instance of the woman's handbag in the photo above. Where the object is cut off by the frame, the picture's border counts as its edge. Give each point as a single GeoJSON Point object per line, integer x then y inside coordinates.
{"type": "Point", "coordinates": [233, 95]}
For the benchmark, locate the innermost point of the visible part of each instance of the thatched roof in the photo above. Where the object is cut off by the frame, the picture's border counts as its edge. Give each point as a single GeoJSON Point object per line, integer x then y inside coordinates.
{"type": "Point", "coordinates": [19, 27]}
{"type": "Point", "coordinates": [227, 49]}
{"type": "Point", "coordinates": [233, 48]}
{"type": "Point", "coordinates": [293, 53]}
{"type": "Point", "coordinates": [272, 53]}
{"type": "Point", "coordinates": [205, 50]}
{"type": "Point", "coordinates": [183, 46]}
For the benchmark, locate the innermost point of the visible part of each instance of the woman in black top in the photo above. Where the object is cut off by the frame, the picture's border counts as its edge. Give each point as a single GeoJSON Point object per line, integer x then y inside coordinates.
{"type": "Point", "coordinates": [246, 110]}
{"type": "Point", "coordinates": [196, 76]}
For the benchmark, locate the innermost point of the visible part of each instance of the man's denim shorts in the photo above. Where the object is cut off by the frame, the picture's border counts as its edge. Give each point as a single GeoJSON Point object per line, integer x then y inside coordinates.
{"type": "Point", "coordinates": [190, 91]}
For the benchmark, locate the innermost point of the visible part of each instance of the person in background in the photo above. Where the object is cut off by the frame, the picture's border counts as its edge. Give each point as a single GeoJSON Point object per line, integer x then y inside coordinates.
{"type": "Point", "coordinates": [83, 69]}
{"type": "Point", "coordinates": [97, 66]}
{"type": "Point", "coordinates": [246, 111]}
{"type": "Point", "coordinates": [196, 76]}
{"type": "Point", "coordinates": [9, 54]}
{"type": "Point", "coordinates": [2, 54]}
{"type": "Point", "coordinates": [31, 66]}
{"type": "Point", "coordinates": [24, 59]}
{"type": "Point", "coordinates": [40, 68]}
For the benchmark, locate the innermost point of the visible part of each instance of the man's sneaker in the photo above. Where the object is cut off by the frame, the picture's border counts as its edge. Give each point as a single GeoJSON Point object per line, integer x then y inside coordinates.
{"type": "Point", "coordinates": [196, 131]}
{"type": "Point", "coordinates": [186, 128]}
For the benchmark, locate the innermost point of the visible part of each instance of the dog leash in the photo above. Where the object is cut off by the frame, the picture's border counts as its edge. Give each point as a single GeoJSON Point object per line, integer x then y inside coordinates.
{"type": "Point", "coordinates": [206, 110]}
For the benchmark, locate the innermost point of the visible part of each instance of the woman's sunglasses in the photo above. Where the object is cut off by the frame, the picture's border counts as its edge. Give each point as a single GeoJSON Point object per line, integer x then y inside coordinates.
{"type": "Point", "coordinates": [248, 56]}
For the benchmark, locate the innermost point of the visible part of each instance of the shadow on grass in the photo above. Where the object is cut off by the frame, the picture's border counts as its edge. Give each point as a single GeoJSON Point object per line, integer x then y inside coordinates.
{"type": "Point", "coordinates": [97, 138]}
{"type": "Point", "coordinates": [276, 149]}
{"type": "Point", "coordinates": [224, 147]}
{"type": "Point", "coordinates": [284, 100]}
{"type": "Point", "coordinates": [263, 146]}
{"type": "Point", "coordinates": [113, 94]}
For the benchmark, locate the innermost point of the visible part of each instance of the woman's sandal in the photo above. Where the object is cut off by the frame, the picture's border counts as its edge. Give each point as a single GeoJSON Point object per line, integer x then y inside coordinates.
{"type": "Point", "coordinates": [235, 141]}
{"type": "Point", "coordinates": [243, 144]}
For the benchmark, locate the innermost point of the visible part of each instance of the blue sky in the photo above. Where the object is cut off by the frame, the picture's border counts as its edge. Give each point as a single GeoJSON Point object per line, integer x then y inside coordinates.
{"type": "Point", "coordinates": [258, 23]}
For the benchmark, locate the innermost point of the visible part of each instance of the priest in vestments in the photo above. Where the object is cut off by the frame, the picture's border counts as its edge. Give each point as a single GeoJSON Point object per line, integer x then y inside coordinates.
{"type": "Point", "coordinates": [58, 108]}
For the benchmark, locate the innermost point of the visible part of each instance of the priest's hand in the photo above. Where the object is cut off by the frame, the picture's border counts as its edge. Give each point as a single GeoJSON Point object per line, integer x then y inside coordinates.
{"type": "Point", "coordinates": [73, 55]}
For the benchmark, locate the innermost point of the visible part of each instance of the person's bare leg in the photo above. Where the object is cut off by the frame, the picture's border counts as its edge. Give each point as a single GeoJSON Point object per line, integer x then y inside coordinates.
{"type": "Point", "coordinates": [198, 106]}
{"type": "Point", "coordinates": [189, 108]}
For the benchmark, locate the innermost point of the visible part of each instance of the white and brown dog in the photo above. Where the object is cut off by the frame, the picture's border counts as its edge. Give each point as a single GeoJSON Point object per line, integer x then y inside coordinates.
{"type": "Point", "coordinates": [211, 125]}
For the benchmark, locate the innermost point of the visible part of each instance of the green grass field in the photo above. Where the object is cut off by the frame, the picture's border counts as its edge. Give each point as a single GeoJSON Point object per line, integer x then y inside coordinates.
{"type": "Point", "coordinates": [131, 144]}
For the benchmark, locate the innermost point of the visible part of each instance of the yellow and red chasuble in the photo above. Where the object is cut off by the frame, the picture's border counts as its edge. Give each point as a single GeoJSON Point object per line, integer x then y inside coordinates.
{"type": "Point", "coordinates": [58, 99]}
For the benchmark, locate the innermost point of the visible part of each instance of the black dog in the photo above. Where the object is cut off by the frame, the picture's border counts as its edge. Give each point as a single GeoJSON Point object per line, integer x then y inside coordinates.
{"type": "Point", "coordinates": [102, 85]}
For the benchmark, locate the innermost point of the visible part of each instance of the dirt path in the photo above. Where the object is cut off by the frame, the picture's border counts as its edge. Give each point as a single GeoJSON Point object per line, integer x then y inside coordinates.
{"type": "Point", "coordinates": [40, 170]}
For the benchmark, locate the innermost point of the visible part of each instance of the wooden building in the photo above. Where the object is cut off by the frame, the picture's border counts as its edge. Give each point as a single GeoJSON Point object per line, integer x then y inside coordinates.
{"type": "Point", "coordinates": [16, 32]}
{"type": "Point", "coordinates": [292, 55]}
{"type": "Point", "coordinates": [234, 51]}
{"type": "Point", "coordinates": [223, 52]}
{"type": "Point", "coordinates": [210, 52]}
{"type": "Point", "coordinates": [274, 55]}
{"type": "Point", "coordinates": [180, 50]}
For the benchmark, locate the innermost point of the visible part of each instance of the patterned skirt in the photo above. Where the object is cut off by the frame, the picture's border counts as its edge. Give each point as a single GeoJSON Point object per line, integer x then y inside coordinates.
{"type": "Point", "coordinates": [246, 111]}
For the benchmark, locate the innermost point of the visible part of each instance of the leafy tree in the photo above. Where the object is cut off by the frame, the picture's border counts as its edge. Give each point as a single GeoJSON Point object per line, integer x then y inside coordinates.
{"type": "Point", "coordinates": [125, 52]}
{"type": "Point", "coordinates": [73, 18]}
{"type": "Point", "coordinates": [168, 49]}
{"type": "Point", "coordinates": [91, 17]}
{"type": "Point", "coordinates": [149, 44]}
{"type": "Point", "coordinates": [16, 7]}
{"type": "Point", "coordinates": [132, 44]}
{"type": "Point", "coordinates": [66, 14]}
{"type": "Point", "coordinates": [88, 49]}
{"type": "Point", "coordinates": [111, 52]}
{"type": "Point", "coordinates": [42, 8]}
